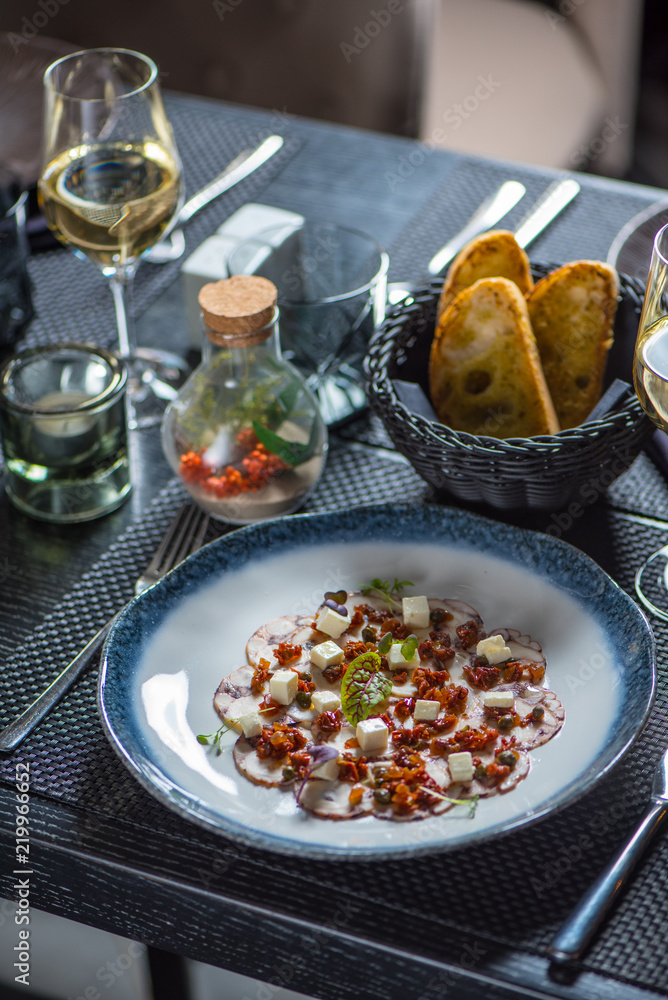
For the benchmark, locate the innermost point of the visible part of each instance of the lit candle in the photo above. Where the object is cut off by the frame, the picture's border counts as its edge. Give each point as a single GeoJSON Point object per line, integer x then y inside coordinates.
{"type": "Point", "coordinates": [67, 435]}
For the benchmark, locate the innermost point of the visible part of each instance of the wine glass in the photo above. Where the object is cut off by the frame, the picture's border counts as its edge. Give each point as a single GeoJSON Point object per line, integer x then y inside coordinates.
{"type": "Point", "coordinates": [111, 179]}
{"type": "Point", "coordinates": [650, 376]}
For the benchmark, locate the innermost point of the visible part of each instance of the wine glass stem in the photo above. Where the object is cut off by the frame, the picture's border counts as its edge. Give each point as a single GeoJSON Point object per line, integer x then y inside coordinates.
{"type": "Point", "coordinates": [120, 281]}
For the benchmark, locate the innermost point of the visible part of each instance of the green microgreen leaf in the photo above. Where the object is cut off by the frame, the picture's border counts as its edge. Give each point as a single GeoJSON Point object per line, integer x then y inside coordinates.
{"type": "Point", "coordinates": [409, 646]}
{"type": "Point", "coordinates": [472, 803]}
{"type": "Point", "coordinates": [363, 687]}
{"type": "Point", "coordinates": [387, 590]}
{"type": "Point", "coordinates": [291, 452]}
{"type": "Point", "coordinates": [213, 739]}
{"type": "Point", "coordinates": [385, 643]}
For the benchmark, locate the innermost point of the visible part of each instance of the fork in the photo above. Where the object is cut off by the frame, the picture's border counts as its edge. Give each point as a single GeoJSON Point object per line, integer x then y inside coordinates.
{"type": "Point", "coordinates": [184, 535]}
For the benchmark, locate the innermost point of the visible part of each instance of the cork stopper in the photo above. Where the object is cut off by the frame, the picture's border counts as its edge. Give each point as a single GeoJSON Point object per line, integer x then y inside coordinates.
{"type": "Point", "coordinates": [236, 311]}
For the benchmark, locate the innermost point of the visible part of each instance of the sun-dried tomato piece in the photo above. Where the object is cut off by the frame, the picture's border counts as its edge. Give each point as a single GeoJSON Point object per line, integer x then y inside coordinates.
{"type": "Point", "coordinates": [415, 737]}
{"type": "Point", "coordinates": [375, 615]}
{"type": "Point", "coordinates": [281, 740]}
{"type": "Point", "coordinates": [426, 680]}
{"type": "Point", "coordinates": [467, 634]}
{"type": "Point", "coordinates": [454, 698]}
{"type": "Point", "coordinates": [443, 724]}
{"type": "Point", "coordinates": [269, 707]}
{"type": "Point", "coordinates": [260, 675]}
{"type": "Point", "coordinates": [404, 708]}
{"type": "Point", "coordinates": [353, 649]}
{"type": "Point", "coordinates": [481, 675]}
{"type": "Point", "coordinates": [328, 722]}
{"type": "Point", "coordinates": [286, 653]}
{"type": "Point", "coordinates": [348, 771]}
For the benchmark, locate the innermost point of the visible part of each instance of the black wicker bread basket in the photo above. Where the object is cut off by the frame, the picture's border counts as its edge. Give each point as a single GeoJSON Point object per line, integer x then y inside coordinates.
{"type": "Point", "coordinates": [541, 473]}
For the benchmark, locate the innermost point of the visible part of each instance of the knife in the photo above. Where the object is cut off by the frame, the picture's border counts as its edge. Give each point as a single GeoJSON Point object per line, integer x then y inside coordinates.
{"type": "Point", "coordinates": [580, 926]}
{"type": "Point", "coordinates": [229, 178]}
{"type": "Point", "coordinates": [554, 200]}
{"type": "Point", "coordinates": [489, 212]}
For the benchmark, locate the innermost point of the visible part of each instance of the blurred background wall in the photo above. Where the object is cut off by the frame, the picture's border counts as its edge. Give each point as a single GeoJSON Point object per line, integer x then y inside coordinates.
{"type": "Point", "coordinates": [575, 84]}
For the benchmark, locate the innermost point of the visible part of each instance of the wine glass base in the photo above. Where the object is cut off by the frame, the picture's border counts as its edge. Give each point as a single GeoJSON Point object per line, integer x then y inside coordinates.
{"type": "Point", "coordinates": [651, 583]}
{"type": "Point", "coordinates": [341, 395]}
{"type": "Point", "coordinates": [152, 385]}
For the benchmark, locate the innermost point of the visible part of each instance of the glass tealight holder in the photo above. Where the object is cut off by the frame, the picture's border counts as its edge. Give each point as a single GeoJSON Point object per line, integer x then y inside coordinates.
{"type": "Point", "coordinates": [64, 432]}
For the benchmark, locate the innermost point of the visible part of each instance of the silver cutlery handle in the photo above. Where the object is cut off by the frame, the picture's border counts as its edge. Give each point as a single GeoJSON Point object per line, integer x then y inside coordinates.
{"type": "Point", "coordinates": [229, 177]}
{"type": "Point", "coordinates": [490, 211]}
{"type": "Point", "coordinates": [554, 200]}
{"type": "Point", "coordinates": [16, 731]}
{"type": "Point", "coordinates": [578, 929]}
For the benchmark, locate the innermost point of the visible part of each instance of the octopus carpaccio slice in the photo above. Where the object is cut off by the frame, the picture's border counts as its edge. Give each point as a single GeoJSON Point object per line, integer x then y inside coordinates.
{"type": "Point", "coordinates": [296, 630]}
{"type": "Point", "coordinates": [448, 658]}
{"type": "Point", "coordinates": [331, 799]}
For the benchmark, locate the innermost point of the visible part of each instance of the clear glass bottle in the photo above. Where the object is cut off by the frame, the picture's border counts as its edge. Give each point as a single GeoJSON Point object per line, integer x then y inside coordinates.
{"type": "Point", "coordinates": [245, 433]}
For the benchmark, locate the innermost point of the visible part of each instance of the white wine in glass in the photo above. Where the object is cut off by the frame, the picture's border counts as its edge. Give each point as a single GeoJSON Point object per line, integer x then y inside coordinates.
{"type": "Point", "coordinates": [650, 376]}
{"type": "Point", "coordinates": [111, 178]}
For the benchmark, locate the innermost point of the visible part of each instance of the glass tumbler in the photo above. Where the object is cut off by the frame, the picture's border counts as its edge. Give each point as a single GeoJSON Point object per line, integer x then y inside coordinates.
{"type": "Point", "coordinates": [64, 432]}
{"type": "Point", "coordinates": [332, 286]}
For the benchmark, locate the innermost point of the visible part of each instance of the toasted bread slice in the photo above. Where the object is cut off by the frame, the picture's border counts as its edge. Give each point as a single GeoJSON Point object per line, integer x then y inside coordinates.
{"type": "Point", "coordinates": [572, 312]}
{"type": "Point", "coordinates": [496, 254]}
{"type": "Point", "coordinates": [484, 371]}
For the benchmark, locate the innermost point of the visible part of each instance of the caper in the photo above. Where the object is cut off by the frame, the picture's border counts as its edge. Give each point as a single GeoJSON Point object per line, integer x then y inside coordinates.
{"type": "Point", "coordinates": [480, 772]}
{"type": "Point", "coordinates": [537, 713]}
{"type": "Point", "coordinates": [369, 634]}
{"type": "Point", "coordinates": [506, 722]}
{"type": "Point", "coordinates": [507, 758]}
{"type": "Point", "coordinates": [437, 616]}
{"type": "Point", "coordinates": [306, 677]}
{"type": "Point", "coordinates": [304, 699]}
{"type": "Point", "coordinates": [382, 795]}
{"type": "Point", "coordinates": [288, 773]}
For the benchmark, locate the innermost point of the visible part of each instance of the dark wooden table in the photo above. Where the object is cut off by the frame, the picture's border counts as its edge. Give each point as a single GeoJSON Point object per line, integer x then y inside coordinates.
{"type": "Point", "coordinates": [158, 893]}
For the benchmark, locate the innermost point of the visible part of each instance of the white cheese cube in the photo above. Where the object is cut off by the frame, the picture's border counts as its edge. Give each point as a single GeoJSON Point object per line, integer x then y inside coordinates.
{"type": "Point", "coordinates": [425, 709]}
{"type": "Point", "coordinates": [331, 622]}
{"type": "Point", "coordinates": [415, 611]}
{"type": "Point", "coordinates": [325, 701]}
{"type": "Point", "coordinates": [326, 654]}
{"type": "Point", "coordinates": [461, 766]}
{"type": "Point", "coordinates": [283, 686]}
{"type": "Point", "coordinates": [396, 661]}
{"type": "Point", "coordinates": [498, 699]}
{"type": "Point", "coordinates": [329, 770]}
{"type": "Point", "coordinates": [372, 735]}
{"type": "Point", "coordinates": [494, 649]}
{"type": "Point", "coordinates": [251, 723]}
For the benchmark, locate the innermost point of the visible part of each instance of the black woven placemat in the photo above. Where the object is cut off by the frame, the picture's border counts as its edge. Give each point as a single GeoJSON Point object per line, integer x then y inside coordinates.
{"type": "Point", "coordinates": [514, 890]}
{"type": "Point", "coordinates": [71, 297]}
{"type": "Point", "coordinates": [584, 230]}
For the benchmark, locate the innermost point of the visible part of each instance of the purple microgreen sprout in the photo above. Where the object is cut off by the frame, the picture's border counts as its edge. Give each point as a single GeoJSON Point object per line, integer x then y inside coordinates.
{"type": "Point", "coordinates": [335, 606]}
{"type": "Point", "coordinates": [320, 754]}
{"type": "Point", "coordinates": [363, 687]}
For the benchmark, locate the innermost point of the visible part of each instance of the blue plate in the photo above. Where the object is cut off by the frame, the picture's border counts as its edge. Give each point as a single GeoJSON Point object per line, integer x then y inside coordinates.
{"type": "Point", "coordinates": [169, 649]}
